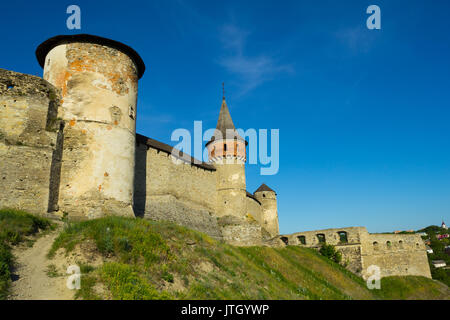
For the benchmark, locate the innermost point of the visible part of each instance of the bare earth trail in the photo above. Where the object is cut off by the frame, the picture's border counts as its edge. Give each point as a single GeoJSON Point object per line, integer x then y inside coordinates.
{"type": "Point", "coordinates": [31, 280]}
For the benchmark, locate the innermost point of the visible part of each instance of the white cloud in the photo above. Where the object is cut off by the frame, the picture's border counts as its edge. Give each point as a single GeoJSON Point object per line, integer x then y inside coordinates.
{"type": "Point", "coordinates": [252, 71]}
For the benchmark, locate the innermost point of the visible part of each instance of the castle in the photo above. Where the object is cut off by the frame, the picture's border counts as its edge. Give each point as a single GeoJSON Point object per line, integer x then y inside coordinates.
{"type": "Point", "coordinates": [68, 145]}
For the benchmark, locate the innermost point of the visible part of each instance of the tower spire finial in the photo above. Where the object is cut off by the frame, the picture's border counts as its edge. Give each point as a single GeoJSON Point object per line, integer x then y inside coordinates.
{"type": "Point", "coordinates": [223, 90]}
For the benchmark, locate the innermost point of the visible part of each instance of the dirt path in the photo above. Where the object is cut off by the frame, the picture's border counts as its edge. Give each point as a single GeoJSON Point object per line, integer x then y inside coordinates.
{"type": "Point", "coordinates": [30, 280]}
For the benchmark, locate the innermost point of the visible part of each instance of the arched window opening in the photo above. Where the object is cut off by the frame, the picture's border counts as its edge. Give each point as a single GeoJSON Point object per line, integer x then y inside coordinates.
{"type": "Point", "coordinates": [388, 244]}
{"type": "Point", "coordinates": [285, 240]}
{"type": "Point", "coordinates": [375, 245]}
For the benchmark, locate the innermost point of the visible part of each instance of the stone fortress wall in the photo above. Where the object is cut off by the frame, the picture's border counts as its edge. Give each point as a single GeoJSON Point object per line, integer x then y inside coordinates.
{"type": "Point", "coordinates": [185, 192]}
{"type": "Point", "coordinates": [38, 149]}
{"type": "Point", "coordinates": [68, 146]}
{"type": "Point", "coordinates": [29, 142]}
{"type": "Point", "coordinates": [395, 254]}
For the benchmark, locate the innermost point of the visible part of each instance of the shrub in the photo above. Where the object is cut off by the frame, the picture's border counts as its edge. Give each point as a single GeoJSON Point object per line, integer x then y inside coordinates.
{"type": "Point", "coordinates": [329, 251]}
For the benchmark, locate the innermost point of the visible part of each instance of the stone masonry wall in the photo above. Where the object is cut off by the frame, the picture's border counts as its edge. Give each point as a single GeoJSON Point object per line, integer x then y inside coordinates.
{"type": "Point", "coordinates": [240, 232]}
{"type": "Point", "coordinates": [177, 192]}
{"type": "Point", "coordinates": [254, 210]}
{"type": "Point", "coordinates": [395, 254]}
{"type": "Point", "coordinates": [351, 250]}
{"type": "Point", "coordinates": [29, 144]}
{"type": "Point", "coordinates": [99, 87]}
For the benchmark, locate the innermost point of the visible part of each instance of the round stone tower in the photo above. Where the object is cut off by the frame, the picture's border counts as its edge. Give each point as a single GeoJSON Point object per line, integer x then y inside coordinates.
{"type": "Point", "coordinates": [98, 79]}
{"type": "Point", "coordinates": [227, 151]}
{"type": "Point", "coordinates": [268, 199]}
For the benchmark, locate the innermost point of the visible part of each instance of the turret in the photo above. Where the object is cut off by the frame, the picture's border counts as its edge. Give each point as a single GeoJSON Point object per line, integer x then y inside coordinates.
{"type": "Point", "coordinates": [227, 151]}
{"type": "Point", "coordinates": [98, 79]}
{"type": "Point", "coordinates": [268, 199]}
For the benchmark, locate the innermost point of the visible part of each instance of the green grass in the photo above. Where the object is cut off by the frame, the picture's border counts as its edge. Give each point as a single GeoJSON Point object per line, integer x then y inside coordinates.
{"type": "Point", "coordinates": [15, 226]}
{"type": "Point", "coordinates": [410, 288]}
{"type": "Point", "coordinates": [160, 260]}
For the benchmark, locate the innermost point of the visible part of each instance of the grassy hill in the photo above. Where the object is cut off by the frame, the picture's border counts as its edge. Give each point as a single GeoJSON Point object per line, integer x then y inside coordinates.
{"type": "Point", "coordinates": [157, 260]}
{"type": "Point", "coordinates": [124, 258]}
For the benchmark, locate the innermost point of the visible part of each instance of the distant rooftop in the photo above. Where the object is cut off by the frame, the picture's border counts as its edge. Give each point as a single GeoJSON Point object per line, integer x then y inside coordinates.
{"type": "Point", "coordinates": [264, 187]}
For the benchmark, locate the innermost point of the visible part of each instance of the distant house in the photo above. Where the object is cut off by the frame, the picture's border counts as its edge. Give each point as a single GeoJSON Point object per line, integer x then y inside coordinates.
{"type": "Point", "coordinates": [429, 250]}
{"type": "Point", "coordinates": [442, 236]}
{"type": "Point", "coordinates": [443, 225]}
{"type": "Point", "coordinates": [438, 263]}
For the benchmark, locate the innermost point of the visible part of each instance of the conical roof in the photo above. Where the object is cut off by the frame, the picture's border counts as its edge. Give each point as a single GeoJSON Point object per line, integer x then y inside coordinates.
{"type": "Point", "coordinates": [225, 125]}
{"type": "Point", "coordinates": [264, 187]}
{"type": "Point", "coordinates": [224, 122]}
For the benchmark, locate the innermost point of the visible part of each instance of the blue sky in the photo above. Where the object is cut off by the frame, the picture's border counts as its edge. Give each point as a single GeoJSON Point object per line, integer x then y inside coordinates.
{"type": "Point", "coordinates": [363, 114]}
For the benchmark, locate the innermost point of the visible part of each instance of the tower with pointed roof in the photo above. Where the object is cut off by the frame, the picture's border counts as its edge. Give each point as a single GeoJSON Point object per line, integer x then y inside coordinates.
{"type": "Point", "coordinates": [227, 152]}
{"type": "Point", "coordinates": [268, 199]}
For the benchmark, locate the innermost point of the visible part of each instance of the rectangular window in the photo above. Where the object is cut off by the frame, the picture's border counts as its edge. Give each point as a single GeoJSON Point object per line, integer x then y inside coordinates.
{"type": "Point", "coordinates": [321, 238]}
{"type": "Point", "coordinates": [302, 239]}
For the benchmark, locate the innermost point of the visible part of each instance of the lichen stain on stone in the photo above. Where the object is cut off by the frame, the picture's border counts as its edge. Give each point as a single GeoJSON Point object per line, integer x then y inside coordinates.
{"type": "Point", "coordinates": [97, 58]}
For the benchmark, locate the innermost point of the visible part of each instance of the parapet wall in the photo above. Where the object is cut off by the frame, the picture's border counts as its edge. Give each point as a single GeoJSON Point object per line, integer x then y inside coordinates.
{"type": "Point", "coordinates": [350, 249]}
{"type": "Point", "coordinates": [30, 146]}
{"type": "Point", "coordinates": [331, 236]}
